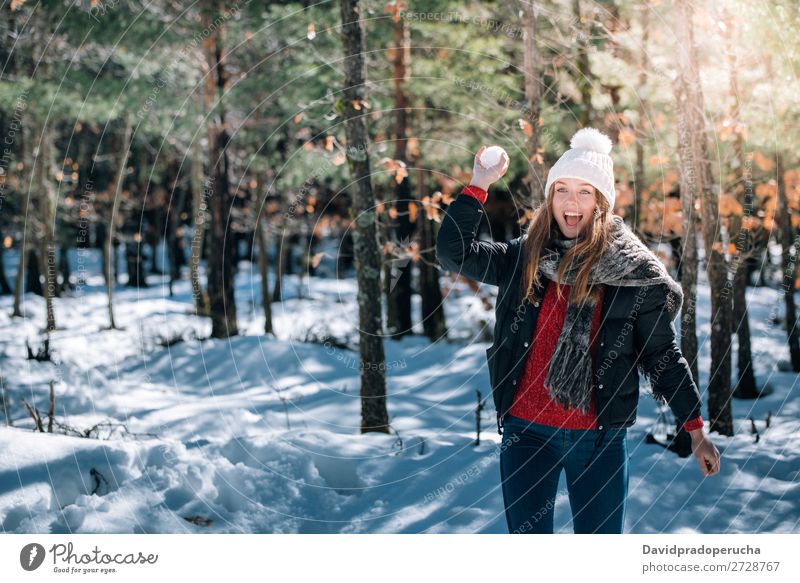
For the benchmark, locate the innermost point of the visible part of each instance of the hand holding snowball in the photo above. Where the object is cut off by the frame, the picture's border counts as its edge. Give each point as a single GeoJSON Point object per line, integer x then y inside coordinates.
{"type": "Point", "coordinates": [485, 170]}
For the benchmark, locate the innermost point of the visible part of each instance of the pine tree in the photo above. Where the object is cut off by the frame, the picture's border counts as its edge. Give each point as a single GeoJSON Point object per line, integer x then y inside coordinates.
{"type": "Point", "coordinates": [222, 252]}
{"type": "Point", "coordinates": [697, 180]}
{"type": "Point", "coordinates": [374, 416]}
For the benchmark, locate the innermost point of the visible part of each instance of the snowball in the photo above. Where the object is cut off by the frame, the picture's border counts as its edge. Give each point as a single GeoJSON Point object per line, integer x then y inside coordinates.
{"type": "Point", "coordinates": [491, 156]}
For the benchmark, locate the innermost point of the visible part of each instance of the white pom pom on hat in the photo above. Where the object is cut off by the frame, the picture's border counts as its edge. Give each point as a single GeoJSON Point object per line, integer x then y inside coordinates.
{"type": "Point", "coordinates": [588, 159]}
{"type": "Point", "coordinates": [591, 139]}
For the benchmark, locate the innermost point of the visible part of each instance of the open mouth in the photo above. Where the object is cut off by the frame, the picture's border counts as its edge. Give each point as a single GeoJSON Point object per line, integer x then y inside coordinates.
{"type": "Point", "coordinates": [572, 219]}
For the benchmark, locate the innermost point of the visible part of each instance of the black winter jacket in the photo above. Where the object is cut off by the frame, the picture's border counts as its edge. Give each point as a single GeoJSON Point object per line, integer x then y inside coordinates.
{"type": "Point", "coordinates": [636, 330]}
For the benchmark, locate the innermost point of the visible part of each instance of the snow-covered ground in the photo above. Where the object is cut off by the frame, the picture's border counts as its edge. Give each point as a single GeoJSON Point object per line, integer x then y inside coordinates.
{"type": "Point", "coordinates": [260, 434]}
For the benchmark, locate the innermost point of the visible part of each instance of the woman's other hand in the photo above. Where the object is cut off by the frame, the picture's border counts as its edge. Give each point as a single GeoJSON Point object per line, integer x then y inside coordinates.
{"type": "Point", "coordinates": [706, 454]}
{"type": "Point", "coordinates": [483, 177]}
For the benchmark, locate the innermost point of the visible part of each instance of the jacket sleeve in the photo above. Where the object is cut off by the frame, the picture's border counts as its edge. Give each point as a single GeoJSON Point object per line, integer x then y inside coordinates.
{"type": "Point", "coordinates": [457, 248]}
{"type": "Point", "coordinates": [660, 358]}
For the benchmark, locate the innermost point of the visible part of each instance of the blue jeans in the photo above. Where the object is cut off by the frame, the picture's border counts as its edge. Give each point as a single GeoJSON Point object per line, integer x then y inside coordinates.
{"type": "Point", "coordinates": [596, 463]}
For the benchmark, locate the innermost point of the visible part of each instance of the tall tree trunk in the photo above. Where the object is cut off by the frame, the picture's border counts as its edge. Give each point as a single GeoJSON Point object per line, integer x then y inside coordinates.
{"type": "Point", "coordinates": [116, 244]}
{"type": "Point", "coordinates": [399, 266]}
{"type": "Point", "coordinates": [374, 416]}
{"type": "Point", "coordinates": [263, 267]}
{"type": "Point", "coordinates": [19, 278]}
{"type": "Point", "coordinates": [533, 80]}
{"type": "Point", "coordinates": [24, 245]}
{"type": "Point", "coordinates": [433, 319]}
{"type": "Point", "coordinates": [284, 255]}
{"type": "Point", "coordinates": [612, 121]}
{"type": "Point", "coordinates": [34, 272]}
{"type": "Point", "coordinates": [41, 145]}
{"type": "Point", "coordinates": [284, 245]}
{"type": "Point", "coordinates": [149, 238]}
{"type": "Point", "coordinates": [43, 172]}
{"type": "Point", "coordinates": [690, 108]}
{"type": "Point", "coordinates": [135, 263]}
{"type": "Point", "coordinates": [789, 251]}
{"type": "Point", "coordinates": [745, 387]}
{"type": "Point", "coordinates": [46, 195]}
{"type": "Point", "coordinates": [584, 80]}
{"type": "Point", "coordinates": [63, 269]}
{"type": "Point", "coordinates": [108, 254]}
{"type": "Point", "coordinates": [11, 123]}
{"type": "Point", "coordinates": [689, 256]}
{"type": "Point", "coordinates": [222, 255]}
{"type": "Point", "coordinates": [398, 321]}
{"type": "Point", "coordinates": [263, 253]}
{"type": "Point", "coordinates": [146, 233]}
{"type": "Point", "coordinates": [640, 175]}
{"type": "Point", "coordinates": [344, 259]}
{"type": "Point", "coordinates": [173, 237]}
{"type": "Point", "coordinates": [199, 222]}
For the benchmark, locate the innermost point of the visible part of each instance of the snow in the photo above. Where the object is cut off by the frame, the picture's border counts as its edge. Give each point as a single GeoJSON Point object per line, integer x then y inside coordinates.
{"type": "Point", "coordinates": [261, 434]}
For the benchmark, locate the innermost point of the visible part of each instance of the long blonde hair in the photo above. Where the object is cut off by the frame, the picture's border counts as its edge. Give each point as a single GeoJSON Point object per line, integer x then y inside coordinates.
{"type": "Point", "coordinates": [592, 243]}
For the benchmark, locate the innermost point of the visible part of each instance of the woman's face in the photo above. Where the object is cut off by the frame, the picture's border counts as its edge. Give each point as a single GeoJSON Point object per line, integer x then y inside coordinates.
{"type": "Point", "coordinates": [573, 205]}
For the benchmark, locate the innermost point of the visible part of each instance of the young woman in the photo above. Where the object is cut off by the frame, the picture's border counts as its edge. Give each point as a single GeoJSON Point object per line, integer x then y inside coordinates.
{"type": "Point", "coordinates": [583, 305]}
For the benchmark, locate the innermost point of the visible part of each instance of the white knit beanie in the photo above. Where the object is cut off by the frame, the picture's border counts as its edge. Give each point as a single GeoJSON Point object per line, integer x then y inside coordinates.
{"type": "Point", "coordinates": [589, 160]}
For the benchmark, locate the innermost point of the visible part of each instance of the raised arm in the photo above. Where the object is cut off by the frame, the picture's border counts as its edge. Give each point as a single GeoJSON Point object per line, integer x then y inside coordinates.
{"type": "Point", "coordinates": [457, 247]}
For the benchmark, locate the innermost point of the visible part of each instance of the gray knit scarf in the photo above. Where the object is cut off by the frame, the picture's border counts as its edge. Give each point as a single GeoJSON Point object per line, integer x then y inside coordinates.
{"type": "Point", "coordinates": [627, 262]}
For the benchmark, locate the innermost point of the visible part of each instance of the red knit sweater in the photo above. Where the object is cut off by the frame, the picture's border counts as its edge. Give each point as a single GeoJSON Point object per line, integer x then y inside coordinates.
{"type": "Point", "coordinates": [532, 400]}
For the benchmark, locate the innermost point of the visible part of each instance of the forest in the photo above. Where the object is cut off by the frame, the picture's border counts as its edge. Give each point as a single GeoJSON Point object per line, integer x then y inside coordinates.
{"type": "Point", "coordinates": [221, 305]}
